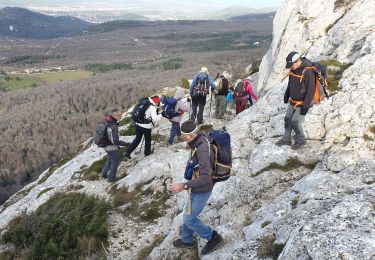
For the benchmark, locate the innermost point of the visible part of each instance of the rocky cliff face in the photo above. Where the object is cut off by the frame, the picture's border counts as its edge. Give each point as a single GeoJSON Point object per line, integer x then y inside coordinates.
{"type": "Point", "coordinates": [314, 203]}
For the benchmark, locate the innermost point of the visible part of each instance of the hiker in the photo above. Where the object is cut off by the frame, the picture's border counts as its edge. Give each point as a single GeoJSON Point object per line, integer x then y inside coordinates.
{"type": "Point", "coordinates": [240, 96]}
{"type": "Point", "coordinates": [113, 157]}
{"type": "Point", "coordinates": [199, 88]}
{"type": "Point", "coordinates": [220, 98]}
{"type": "Point", "coordinates": [145, 115]}
{"type": "Point", "coordinates": [299, 94]}
{"type": "Point", "coordinates": [250, 91]}
{"type": "Point", "coordinates": [202, 158]}
{"type": "Point", "coordinates": [229, 99]}
{"type": "Point", "coordinates": [181, 106]}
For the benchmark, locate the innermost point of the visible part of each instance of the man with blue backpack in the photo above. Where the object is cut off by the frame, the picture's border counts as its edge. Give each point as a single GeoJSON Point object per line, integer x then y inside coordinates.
{"type": "Point", "coordinates": [173, 109]}
{"type": "Point", "coordinates": [209, 162]}
{"type": "Point", "coordinates": [199, 89]}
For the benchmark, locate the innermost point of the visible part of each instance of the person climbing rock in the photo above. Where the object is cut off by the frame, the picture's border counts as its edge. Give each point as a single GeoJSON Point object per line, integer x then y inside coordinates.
{"type": "Point", "coordinates": [249, 90]}
{"type": "Point", "coordinates": [299, 94]}
{"type": "Point", "coordinates": [199, 89]}
{"type": "Point", "coordinates": [220, 98]}
{"type": "Point", "coordinates": [229, 99]}
{"type": "Point", "coordinates": [145, 115]}
{"type": "Point", "coordinates": [200, 188]}
{"type": "Point", "coordinates": [111, 134]}
{"type": "Point", "coordinates": [240, 96]}
{"type": "Point", "coordinates": [181, 107]}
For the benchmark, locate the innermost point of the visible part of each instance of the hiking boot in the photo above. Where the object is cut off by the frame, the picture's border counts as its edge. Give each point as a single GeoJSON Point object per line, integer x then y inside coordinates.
{"type": "Point", "coordinates": [113, 179]}
{"type": "Point", "coordinates": [104, 176]}
{"type": "Point", "coordinates": [297, 145]}
{"type": "Point", "coordinates": [181, 244]}
{"type": "Point", "coordinates": [282, 142]}
{"type": "Point", "coordinates": [213, 244]}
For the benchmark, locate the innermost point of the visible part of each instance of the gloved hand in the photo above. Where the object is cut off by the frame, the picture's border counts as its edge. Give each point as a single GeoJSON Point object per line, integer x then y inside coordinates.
{"type": "Point", "coordinates": [163, 113]}
{"type": "Point", "coordinates": [215, 91]}
{"type": "Point", "coordinates": [304, 110]}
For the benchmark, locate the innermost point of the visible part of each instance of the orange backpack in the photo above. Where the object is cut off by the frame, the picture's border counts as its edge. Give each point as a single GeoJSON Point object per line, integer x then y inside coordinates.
{"type": "Point", "coordinates": [321, 83]}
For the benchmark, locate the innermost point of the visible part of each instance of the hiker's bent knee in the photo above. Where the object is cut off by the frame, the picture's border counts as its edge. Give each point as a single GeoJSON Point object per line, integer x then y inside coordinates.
{"type": "Point", "coordinates": [294, 124]}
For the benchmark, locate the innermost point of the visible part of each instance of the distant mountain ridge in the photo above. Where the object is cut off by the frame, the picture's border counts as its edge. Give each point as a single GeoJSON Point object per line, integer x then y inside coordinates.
{"type": "Point", "coordinates": [235, 11]}
{"type": "Point", "coordinates": [249, 17]}
{"type": "Point", "coordinates": [21, 22]}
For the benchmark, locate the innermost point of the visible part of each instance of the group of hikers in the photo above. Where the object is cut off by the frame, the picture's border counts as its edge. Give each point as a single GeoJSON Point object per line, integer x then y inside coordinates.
{"type": "Point", "coordinates": [210, 158]}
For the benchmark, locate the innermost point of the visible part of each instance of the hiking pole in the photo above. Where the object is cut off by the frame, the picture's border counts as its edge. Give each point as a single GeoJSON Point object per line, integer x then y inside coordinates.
{"type": "Point", "coordinates": [153, 145]}
{"type": "Point", "coordinates": [209, 114]}
{"type": "Point", "coordinates": [140, 149]}
{"type": "Point", "coordinates": [190, 102]}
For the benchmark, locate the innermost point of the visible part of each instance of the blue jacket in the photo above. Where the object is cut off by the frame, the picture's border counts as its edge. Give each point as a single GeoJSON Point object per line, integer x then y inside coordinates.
{"type": "Point", "coordinates": [229, 97]}
{"type": "Point", "coordinates": [194, 82]}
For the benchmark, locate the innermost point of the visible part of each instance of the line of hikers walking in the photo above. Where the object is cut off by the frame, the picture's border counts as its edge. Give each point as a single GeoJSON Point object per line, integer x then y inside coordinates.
{"type": "Point", "coordinates": [210, 159]}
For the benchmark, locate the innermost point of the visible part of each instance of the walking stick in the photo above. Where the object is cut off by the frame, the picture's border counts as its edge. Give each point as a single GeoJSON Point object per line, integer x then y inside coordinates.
{"type": "Point", "coordinates": [217, 76]}
{"type": "Point", "coordinates": [190, 107]}
{"type": "Point", "coordinates": [209, 114]}
{"type": "Point", "coordinates": [140, 149]}
{"type": "Point", "coordinates": [153, 145]}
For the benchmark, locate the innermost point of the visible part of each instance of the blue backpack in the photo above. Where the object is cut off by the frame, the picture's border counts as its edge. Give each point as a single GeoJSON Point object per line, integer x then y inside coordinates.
{"type": "Point", "coordinates": [221, 145]}
{"type": "Point", "coordinates": [169, 108]}
{"type": "Point", "coordinates": [202, 85]}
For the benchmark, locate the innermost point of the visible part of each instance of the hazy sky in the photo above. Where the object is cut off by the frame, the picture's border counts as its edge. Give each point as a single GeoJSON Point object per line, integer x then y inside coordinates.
{"type": "Point", "coordinates": [125, 3]}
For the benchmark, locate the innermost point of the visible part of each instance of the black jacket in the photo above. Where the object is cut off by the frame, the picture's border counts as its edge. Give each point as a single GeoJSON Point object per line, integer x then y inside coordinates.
{"type": "Point", "coordinates": [112, 134]}
{"type": "Point", "coordinates": [301, 91]}
{"type": "Point", "coordinates": [204, 157]}
{"type": "Point", "coordinates": [224, 87]}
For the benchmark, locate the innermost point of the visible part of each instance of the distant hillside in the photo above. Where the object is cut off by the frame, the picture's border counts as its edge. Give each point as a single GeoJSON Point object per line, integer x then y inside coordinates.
{"type": "Point", "coordinates": [250, 17]}
{"type": "Point", "coordinates": [236, 11]}
{"type": "Point", "coordinates": [21, 22]}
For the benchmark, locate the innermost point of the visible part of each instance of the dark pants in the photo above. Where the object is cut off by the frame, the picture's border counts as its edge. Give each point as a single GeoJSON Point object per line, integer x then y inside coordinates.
{"type": "Point", "coordinates": [250, 99]}
{"type": "Point", "coordinates": [175, 130]}
{"type": "Point", "coordinates": [111, 165]}
{"type": "Point", "coordinates": [198, 103]}
{"type": "Point", "coordinates": [140, 132]}
{"type": "Point", "coordinates": [240, 104]}
{"type": "Point", "coordinates": [292, 122]}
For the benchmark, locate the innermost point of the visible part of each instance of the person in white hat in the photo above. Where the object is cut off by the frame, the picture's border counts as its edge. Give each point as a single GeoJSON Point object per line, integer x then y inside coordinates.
{"type": "Point", "coordinates": [220, 98]}
{"type": "Point", "coordinates": [199, 88]}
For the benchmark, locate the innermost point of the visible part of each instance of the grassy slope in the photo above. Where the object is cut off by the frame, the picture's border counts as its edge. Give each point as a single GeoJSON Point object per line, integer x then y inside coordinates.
{"type": "Point", "coordinates": [22, 81]}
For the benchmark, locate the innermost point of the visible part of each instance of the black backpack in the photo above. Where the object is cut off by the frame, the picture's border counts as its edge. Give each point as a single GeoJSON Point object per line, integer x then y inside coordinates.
{"type": "Point", "coordinates": [202, 86]}
{"type": "Point", "coordinates": [100, 134]}
{"type": "Point", "coordinates": [240, 90]}
{"type": "Point", "coordinates": [139, 111]}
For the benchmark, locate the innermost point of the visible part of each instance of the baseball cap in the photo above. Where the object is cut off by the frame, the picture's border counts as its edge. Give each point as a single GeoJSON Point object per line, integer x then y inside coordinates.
{"type": "Point", "coordinates": [291, 58]}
